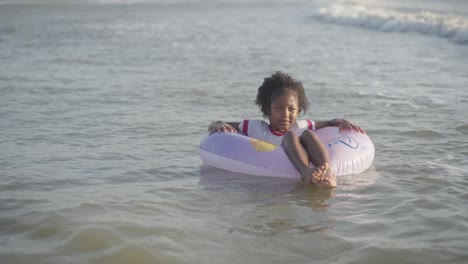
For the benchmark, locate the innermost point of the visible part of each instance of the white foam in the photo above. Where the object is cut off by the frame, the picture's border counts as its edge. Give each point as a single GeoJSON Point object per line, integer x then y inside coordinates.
{"type": "Point", "coordinates": [393, 19]}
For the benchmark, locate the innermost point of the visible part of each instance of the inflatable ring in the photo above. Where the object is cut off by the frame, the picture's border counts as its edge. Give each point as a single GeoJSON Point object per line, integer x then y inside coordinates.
{"type": "Point", "coordinates": [350, 153]}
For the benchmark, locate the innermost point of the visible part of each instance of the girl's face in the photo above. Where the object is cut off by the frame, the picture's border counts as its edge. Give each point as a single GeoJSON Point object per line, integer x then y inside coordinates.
{"type": "Point", "coordinates": [284, 111]}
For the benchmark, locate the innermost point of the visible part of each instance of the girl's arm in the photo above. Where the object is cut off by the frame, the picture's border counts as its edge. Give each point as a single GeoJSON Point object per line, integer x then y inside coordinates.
{"type": "Point", "coordinates": [221, 126]}
{"type": "Point", "coordinates": [343, 124]}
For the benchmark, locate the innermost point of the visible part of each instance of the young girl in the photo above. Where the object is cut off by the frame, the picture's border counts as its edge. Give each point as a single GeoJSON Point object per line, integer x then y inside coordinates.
{"type": "Point", "coordinates": [282, 99]}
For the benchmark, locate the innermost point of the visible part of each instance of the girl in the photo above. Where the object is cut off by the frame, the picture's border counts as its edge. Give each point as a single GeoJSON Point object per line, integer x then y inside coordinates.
{"type": "Point", "coordinates": [281, 99]}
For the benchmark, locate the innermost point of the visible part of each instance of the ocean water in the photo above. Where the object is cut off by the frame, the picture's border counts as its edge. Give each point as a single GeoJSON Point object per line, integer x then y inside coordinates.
{"type": "Point", "coordinates": [103, 105]}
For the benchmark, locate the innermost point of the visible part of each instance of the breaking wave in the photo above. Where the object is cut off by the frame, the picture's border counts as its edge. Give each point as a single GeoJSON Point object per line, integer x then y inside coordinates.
{"type": "Point", "coordinates": [386, 19]}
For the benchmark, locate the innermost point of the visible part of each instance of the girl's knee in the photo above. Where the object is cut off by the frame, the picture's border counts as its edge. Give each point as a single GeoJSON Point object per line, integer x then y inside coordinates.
{"type": "Point", "coordinates": [289, 137]}
{"type": "Point", "coordinates": [309, 136]}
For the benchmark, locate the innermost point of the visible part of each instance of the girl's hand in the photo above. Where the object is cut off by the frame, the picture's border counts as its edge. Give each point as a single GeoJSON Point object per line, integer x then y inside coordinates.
{"type": "Point", "coordinates": [344, 124]}
{"type": "Point", "coordinates": [221, 127]}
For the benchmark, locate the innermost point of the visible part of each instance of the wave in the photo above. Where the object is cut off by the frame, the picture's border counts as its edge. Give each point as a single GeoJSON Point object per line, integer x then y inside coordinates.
{"type": "Point", "coordinates": [396, 19]}
{"type": "Point", "coordinates": [129, 2]}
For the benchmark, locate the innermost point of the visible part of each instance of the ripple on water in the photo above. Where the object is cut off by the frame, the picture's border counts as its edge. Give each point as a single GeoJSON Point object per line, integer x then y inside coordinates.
{"type": "Point", "coordinates": [90, 239]}
{"type": "Point", "coordinates": [135, 254]}
{"type": "Point", "coordinates": [422, 134]}
{"type": "Point", "coordinates": [462, 129]}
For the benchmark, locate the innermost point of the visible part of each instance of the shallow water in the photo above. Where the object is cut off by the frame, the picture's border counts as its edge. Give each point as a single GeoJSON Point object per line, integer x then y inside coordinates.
{"type": "Point", "coordinates": [102, 107]}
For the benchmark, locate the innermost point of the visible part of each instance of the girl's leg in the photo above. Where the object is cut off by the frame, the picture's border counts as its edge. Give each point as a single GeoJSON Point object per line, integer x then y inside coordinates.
{"type": "Point", "coordinates": [299, 157]}
{"type": "Point", "coordinates": [318, 155]}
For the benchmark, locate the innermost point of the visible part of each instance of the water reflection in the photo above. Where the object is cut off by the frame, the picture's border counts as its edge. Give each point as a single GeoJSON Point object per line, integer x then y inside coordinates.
{"type": "Point", "coordinates": [290, 189]}
{"type": "Point", "coordinates": [264, 206]}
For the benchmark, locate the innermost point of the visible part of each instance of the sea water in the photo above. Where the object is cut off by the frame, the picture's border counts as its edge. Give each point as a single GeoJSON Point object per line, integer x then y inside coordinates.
{"type": "Point", "coordinates": [103, 105]}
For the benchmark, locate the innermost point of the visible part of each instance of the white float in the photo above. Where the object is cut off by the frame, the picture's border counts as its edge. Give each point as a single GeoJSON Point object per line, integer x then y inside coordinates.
{"type": "Point", "coordinates": [350, 153]}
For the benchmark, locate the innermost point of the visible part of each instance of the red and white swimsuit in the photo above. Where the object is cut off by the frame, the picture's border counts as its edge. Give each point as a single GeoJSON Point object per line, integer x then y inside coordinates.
{"type": "Point", "coordinates": [260, 129]}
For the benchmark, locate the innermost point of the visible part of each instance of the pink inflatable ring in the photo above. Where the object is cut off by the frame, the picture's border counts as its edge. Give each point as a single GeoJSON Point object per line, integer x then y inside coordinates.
{"type": "Point", "coordinates": [350, 153]}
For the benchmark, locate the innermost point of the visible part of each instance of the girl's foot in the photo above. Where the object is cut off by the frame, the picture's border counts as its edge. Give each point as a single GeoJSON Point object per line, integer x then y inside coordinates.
{"type": "Point", "coordinates": [328, 180]}
{"type": "Point", "coordinates": [321, 176]}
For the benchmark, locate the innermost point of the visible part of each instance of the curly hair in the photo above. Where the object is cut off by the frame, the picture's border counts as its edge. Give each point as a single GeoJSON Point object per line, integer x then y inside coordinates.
{"type": "Point", "coordinates": [276, 85]}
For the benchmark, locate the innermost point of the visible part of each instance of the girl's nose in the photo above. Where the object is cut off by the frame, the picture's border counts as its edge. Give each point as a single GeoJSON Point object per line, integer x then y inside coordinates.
{"type": "Point", "coordinates": [284, 114]}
